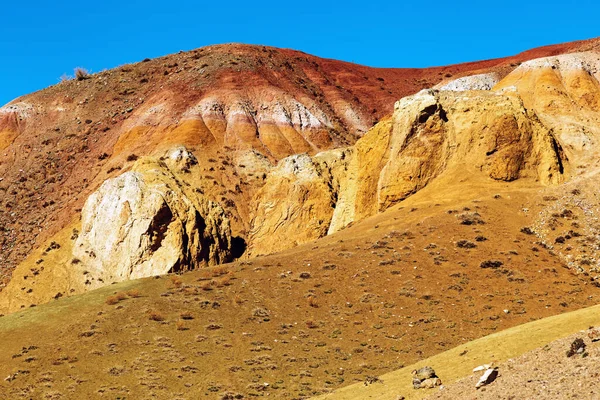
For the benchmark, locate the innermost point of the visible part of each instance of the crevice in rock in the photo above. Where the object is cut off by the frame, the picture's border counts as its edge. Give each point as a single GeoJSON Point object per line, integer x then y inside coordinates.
{"type": "Point", "coordinates": [159, 226]}
{"type": "Point", "coordinates": [238, 247]}
{"type": "Point", "coordinates": [559, 154]}
{"type": "Point", "coordinates": [427, 112]}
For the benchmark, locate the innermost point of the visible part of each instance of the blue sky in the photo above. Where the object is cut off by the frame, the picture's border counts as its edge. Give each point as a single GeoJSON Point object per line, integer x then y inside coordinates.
{"type": "Point", "coordinates": [41, 40]}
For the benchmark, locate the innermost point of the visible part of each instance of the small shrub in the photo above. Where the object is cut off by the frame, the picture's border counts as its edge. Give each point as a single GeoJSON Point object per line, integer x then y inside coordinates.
{"type": "Point", "coordinates": [527, 230]}
{"type": "Point", "coordinates": [218, 271]}
{"type": "Point", "coordinates": [465, 244]}
{"type": "Point", "coordinates": [470, 218]}
{"type": "Point", "coordinates": [491, 264]}
{"type": "Point", "coordinates": [132, 157]}
{"type": "Point", "coordinates": [53, 246]}
{"type": "Point", "coordinates": [133, 293]}
{"type": "Point", "coordinates": [186, 315]}
{"type": "Point", "coordinates": [81, 74]}
{"type": "Point", "coordinates": [176, 281]}
{"type": "Point", "coordinates": [224, 281]}
{"type": "Point", "coordinates": [310, 324]}
{"type": "Point", "coordinates": [111, 300]}
{"type": "Point", "coordinates": [181, 326]}
{"type": "Point", "coordinates": [156, 316]}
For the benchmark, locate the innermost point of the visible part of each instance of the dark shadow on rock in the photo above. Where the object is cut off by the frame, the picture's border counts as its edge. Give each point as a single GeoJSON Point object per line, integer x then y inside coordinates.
{"type": "Point", "coordinates": [238, 247]}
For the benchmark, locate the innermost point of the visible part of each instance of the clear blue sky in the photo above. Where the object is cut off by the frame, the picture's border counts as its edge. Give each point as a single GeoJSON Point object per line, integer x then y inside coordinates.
{"type": "Point", "coordinates": [40, 40]}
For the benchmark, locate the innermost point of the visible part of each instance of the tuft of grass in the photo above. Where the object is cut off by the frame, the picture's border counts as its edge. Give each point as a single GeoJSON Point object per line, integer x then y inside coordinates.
{"type": "Point", "coordinates": [176, 281]}
{"type": "Point", "coordinates": [181, 326]}
{"type": "Point", "coordinates": [223, 281]}
{"type": "Point", "coordinates": [81, 74]}
{"type": "Point", "coordinates": [186, 315]}
{"type": "Point", "coordinates": [310, 324]}
{"type": "Point", "coordinates": [116, 298]}
{"type": "Point", "coordinates": [156, 316]}
{"type": "Point", "coordinates": [219, 271]}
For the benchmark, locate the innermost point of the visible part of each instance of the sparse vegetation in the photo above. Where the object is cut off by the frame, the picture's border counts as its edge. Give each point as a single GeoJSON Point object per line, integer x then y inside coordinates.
{"type": "Point", "coordinates": [156, 316]}
{"type": "Point", "coordinates": [181, 326]}
{"type": "Point", "coordinates": [527, 230]}
{"type": "Point", "coordinates": [186, 315]}
{"type": "Point", "coordinates": [176, 281]}
{"type": "Point", "coordinates": [493, 264]}
{"type": "Point", "coordinates": [118, 297]}
{"type": "Point", "coordinates": [81, 74]}
{"type": "Point", "coordinates": [465, 244]}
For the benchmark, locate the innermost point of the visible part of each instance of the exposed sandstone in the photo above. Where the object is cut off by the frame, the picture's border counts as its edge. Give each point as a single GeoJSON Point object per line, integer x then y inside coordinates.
{"type": "Point", "coordinates": [564, 92]}
{"type": "Point", "coordinates": [294, 206]}
{"type": "Point", "coordinates": [147, 221]}
{"type": "Point", "coordinates": [60, 144]}
{"type": "Point", "coordinates": [431, 134]}
{"type": "Point", "coordinates": [144, 222]}
{"type": "Point", "coordinates": [434, 132]}
{"type": "Point", "coordinates": [503, 134]}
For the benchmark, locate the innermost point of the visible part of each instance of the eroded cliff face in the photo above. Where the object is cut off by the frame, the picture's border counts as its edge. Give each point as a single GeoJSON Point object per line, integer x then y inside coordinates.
{"type": "Point", "coordinates": [478, 132]}
{"type": "Point", "coordinates": [147, 221]}
{"type": "Point", "coordinates": [540, 123]}
{"type": "Point", "coordinates": [58, 145]}
{"type": "Point", "coordinates": [144, 223]}
{"type": "Point", "coordinates": [297, 201]}
{"type": "Point", "coordinates": [176, 210]}
{"type": "Point", "coordinates": [564, 92]}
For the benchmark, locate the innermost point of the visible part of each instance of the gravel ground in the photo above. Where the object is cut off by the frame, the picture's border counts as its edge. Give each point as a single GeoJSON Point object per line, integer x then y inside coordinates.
{"type": "Point", "coordinates": [544, 373]}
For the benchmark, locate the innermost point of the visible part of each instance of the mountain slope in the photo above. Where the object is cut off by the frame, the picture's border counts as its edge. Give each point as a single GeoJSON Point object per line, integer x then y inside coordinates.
{"type": "Point", "coordinates": [223, 102]}
{"type": "Point", "coordinates": [388, 291]}
{"type": "Point", "coordinates": [463, 213]}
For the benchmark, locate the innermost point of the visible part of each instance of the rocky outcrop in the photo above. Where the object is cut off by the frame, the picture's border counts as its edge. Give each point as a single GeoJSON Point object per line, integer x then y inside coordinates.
{"type": "Point", "coordinates": [296, 203]}
{"type": "Point", "coordinates": [435, 132]}
{"type": "Point", "coordinates": [145, 222]}
{"type": "Point", "coordinates": [432, 134]}
{"type": "Point", "coordinates": [564, 92]}
{"type": "Point", "coordinates": [150, 220]}
{"type": "Point", "coordinates": [58, 145]}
